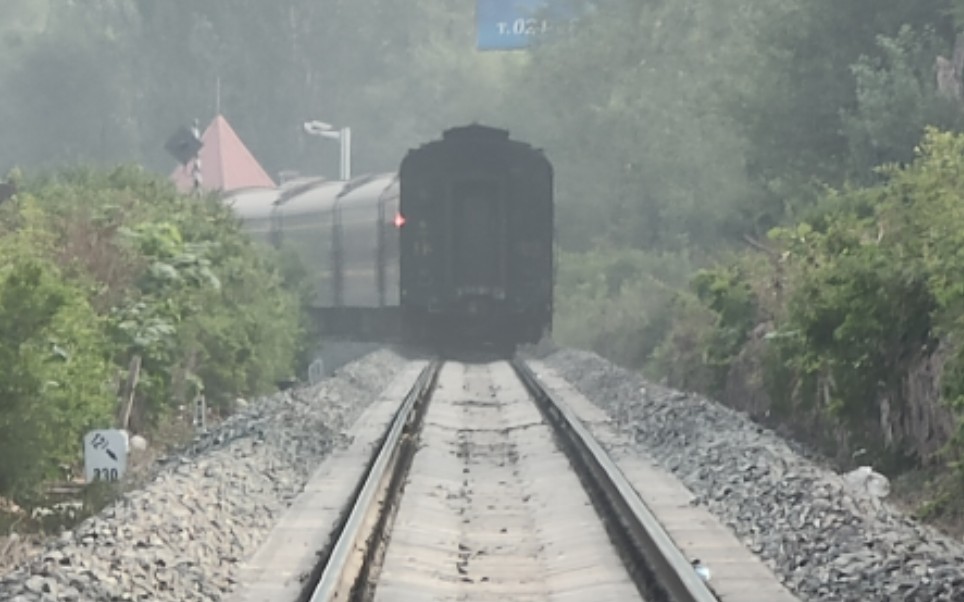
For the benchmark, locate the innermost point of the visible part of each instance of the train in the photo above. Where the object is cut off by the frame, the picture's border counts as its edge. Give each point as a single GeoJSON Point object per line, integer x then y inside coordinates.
{"type": "Point", "coordinates": [454, 249]}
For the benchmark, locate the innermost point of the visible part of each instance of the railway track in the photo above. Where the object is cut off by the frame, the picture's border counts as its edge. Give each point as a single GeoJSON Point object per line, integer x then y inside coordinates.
{"type": "Point", "coordinates": [486, 487]}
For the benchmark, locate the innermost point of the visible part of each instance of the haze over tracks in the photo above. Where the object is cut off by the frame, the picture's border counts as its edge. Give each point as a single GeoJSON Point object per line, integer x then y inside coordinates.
{"type": "Point", "coordinates": [492, 509]}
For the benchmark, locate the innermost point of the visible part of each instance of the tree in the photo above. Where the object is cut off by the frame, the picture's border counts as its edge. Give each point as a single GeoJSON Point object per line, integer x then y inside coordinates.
{"type": "Point", "coordinates": [628, 107]}
{"type": "Point", "coordinates": [803, 83]}
{"type": "Point", "coordinates": [896, 99]}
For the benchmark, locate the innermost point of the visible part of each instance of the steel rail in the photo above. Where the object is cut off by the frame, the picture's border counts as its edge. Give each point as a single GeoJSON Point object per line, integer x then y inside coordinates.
{"type": "Point", "coordinates": [656, 564]}
{"type": "Point", "coordinates": [346, 566]}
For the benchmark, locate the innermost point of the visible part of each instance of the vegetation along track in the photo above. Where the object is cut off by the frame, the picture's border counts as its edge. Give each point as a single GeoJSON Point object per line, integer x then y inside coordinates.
{"type": "Point", "coordinates": [475, 494]}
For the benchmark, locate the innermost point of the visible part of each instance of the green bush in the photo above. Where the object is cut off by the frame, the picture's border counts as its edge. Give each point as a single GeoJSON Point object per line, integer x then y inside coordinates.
{"type": "Point", "coordinates": [617, 303]}
{"type": "Point", "coordinates": [54, 385]}
{"type": "Point", "coordinates": [680, 357]}
{"type": "Point", "coordinates": [727, 292]}
{"type": "Point", "coordinates": [100, 266]}
{"type": "Point", "coordinates": [871, 282]}
{"type": "Point", "coordinates": [851, 300]}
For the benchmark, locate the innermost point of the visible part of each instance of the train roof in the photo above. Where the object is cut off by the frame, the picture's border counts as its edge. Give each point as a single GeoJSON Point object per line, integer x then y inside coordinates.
{"type": "Point", "coordinates": [475, 131]}
{"type": "Point", "coordinates": [372, 184]}
{"type": "Point", "coordinates": [313, 197]}
{"type": "Point", "coordinates": [253, 202]}
{"type": "Point", "coordinates": [467, 135]}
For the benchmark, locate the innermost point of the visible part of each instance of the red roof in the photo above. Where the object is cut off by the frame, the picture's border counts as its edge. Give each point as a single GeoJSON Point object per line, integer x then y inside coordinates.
{"type": "Point", "coordinates": [226, 163]}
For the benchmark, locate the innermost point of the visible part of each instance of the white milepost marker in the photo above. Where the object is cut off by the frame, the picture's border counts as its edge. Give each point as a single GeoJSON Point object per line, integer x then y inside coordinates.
{"type": "Point", "coordinates": [105, 455]}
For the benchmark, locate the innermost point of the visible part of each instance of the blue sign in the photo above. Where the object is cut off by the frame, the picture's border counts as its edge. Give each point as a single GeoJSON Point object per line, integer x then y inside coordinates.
{"type": "Point", "coordinates": [510, 24]}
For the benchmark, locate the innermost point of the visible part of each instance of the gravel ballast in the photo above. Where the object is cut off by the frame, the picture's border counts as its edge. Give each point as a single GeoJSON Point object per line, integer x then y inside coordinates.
{"type": "Point", "coordinates": [824, 538]}
{"type": "Point", "coordinates": [181, 537]}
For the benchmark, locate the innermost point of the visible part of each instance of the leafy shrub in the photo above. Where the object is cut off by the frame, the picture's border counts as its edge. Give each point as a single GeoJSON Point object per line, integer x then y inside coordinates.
{"type": "Point", "coordinates": [617, 303]}
{"type": "Point", "coordinates": [54, 383]}
{"type": "Point", "coordinates": [728, 294]}
{"type": "Point", "coordinates": [102, 265]}
{"type": "Point", "coordinates": [851, 300]}
{"type": "Point", "coordinates": [680, 358]}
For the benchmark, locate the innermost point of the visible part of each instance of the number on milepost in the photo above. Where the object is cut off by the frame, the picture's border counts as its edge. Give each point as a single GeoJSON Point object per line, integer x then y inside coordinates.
{"type": "Point", "coordinates": [105, 455]}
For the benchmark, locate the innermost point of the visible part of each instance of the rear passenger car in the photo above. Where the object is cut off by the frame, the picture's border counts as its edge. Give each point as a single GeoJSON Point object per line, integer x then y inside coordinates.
{"type": "Point", "coordinates": [476, 248]}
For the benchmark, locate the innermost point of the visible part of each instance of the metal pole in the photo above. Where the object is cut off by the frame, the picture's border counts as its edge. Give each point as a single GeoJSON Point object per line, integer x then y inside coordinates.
{"type": "Point", "coordinates": [345, 139]}
{"type": "Point", "coordinates": [324, 130]}
{"type": "Point", "coordinates": [341, 155]}
{"type": "Point", "coordinates": [196, 169]}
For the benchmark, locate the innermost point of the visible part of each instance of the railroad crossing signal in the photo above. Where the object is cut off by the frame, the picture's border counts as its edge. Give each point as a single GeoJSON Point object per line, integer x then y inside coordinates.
{"type": "Point", "coordinates": [105, 455]}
